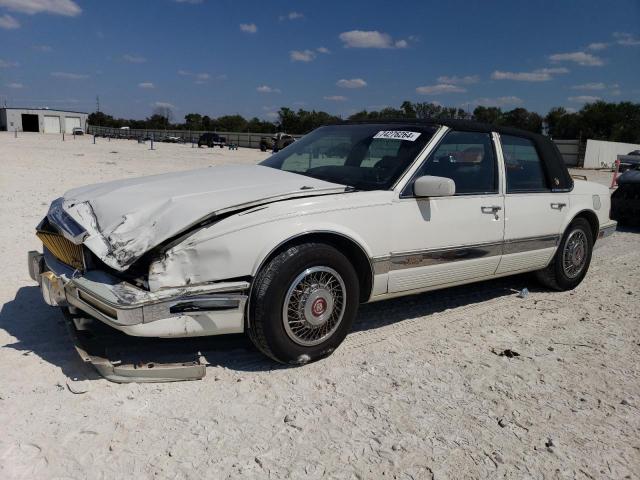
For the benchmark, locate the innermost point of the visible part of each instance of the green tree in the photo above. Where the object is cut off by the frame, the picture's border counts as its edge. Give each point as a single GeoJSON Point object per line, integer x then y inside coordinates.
{"type": "Point", "coordinates": [487, 114]}
{"type": "Point", "coordinates": [193, 121]}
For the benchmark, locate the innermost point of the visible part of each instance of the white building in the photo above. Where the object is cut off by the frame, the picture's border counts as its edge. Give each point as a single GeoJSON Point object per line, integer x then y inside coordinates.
{"type": "Point", "coordinates": [41, 120]}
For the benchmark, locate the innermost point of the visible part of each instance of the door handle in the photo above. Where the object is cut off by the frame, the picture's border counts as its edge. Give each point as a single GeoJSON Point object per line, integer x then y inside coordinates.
{"type": "Point", "coordinates": [558, 206]}
{"type": "Point", "coordinates": [491, 209]}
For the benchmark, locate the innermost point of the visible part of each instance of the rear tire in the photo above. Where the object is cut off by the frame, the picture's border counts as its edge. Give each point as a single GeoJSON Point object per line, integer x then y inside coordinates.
{"type": "Point", "coordinates": [303, 303]}
{"type": "Point", "coordinates": [572, 259]}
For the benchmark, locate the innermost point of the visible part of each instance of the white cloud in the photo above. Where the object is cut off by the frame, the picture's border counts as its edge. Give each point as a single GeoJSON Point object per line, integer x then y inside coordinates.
{"type": "Point", "coordinates": [15, 85]}
{"type": "Point", "coordinates": [440, 89]}
{"type": "Point", "coordinates": [146, 85]}
{"type": "Point", "coordinates": [184, 72]}
{"type": "Point", "coordinates": [133, 58]}
{"type": "Point", "coordinates": [455, 80]}
{"type": "Point", "coordinates": [163, 105]}
{"type": "Point", "coordinates": [267, 89]}
{"type": "Point", "coordinates": [626, 39]}
{"type": "Point", "coordinates": [248, 27]}
{"type": "Point", "coordinates": [291, 16]}
{"type": "Point", "coordinates": [497, 102]}
{"type": "Point", "coordinates": [521, 76]}
{"type": "Point", "coordinates": [351, 83]}
{"type": "Point", "coordinates": [202, 78]}
{"type": "Point", "coordinates": [43, 48]}
{"type": "Point", "coordinates": [8, 22]}
{"type": "Point", "coordinates": [272, 114]}
{"type": "Point", "coordinates": [69, 76]}
{"type": "Point", "coordinates": [553, 70]}
{"type": "Point", "coordinates": [7, 64]}
{"type": "Point", "coordinates": [323, 50]}
{"type": "Point", "coordinates": [596, 46]}
{"type": "Point", "coordinates": [302, 55]}
{"type": "Point", "coordinates": [581, 58]}
{"type": "Point", "coordinates": [584, 99]}
{"type": "Point", "coordinates": [370, 39]}
{"type": "Point", "coordinates": [68, 8]}
{"type": "Point", "coordinates": [336, 98]}
{"type": "Point", "coordinates": [590, 86]}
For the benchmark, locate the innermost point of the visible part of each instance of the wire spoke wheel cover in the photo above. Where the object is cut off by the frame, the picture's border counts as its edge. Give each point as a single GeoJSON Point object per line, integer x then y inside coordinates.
{"type": "Point", "coordinates": [574, 255]}
{"type": "Point", "coordinates": [314, 306]}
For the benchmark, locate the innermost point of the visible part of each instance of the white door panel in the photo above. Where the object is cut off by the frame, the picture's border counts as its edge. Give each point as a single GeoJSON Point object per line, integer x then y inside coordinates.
{"type": "Point", "coordinates": [534, 214]}
{"type": "Point", "coordinates": [444, 240]}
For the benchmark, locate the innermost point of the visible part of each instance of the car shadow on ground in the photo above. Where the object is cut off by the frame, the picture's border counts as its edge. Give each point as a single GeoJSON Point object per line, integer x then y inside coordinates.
{"type": "Point", "coordinates": [42, 330]}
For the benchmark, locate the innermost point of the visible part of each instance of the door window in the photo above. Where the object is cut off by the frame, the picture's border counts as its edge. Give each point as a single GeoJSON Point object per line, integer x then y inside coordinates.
{"type": "Point", "coordinates": [468, 159]}
{"type": "Point", "coordinates": [523, 165]}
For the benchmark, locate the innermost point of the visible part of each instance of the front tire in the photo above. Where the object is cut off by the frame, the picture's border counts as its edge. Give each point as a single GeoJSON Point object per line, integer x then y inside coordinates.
{"type": "Point", "coordinates": [572, 259]}
{"type": "Point", "coordinates": [303, 303]}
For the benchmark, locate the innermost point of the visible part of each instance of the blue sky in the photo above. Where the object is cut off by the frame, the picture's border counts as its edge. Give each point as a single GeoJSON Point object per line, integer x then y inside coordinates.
{"type": "Point", "coordinates": [220, 57]}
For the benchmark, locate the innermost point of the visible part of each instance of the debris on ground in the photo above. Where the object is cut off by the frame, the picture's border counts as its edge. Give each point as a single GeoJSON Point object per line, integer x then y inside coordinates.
{"type": "Point", "coordinates": [506, 353]}
{"type": "Point", "coordinates": [524, 293]}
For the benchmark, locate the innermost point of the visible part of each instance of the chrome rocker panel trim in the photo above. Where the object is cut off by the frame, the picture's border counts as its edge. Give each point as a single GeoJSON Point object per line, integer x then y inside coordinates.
{"type": "Point", "coordinates": [436, 256]}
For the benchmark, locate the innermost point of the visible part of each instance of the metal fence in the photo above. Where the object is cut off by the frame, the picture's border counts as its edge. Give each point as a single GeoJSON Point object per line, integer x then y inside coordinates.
{"type": "Point", "coordinates": [572, 151]}
{"type": "Point", "coordinates": [241, 139]}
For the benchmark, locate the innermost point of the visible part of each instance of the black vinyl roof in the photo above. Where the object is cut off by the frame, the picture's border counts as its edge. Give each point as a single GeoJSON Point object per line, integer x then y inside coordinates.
{"type": "Point", "coordinates": [556, 171]}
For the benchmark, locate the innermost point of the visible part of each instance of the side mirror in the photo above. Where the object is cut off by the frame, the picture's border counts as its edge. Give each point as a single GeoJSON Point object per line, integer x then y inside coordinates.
{"type": "Point", "coordinates": [429, 186]}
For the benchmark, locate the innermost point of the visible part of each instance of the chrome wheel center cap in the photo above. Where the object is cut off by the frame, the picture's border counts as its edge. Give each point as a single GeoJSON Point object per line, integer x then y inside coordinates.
{"type": "Point", "coordinates": [318, 307]}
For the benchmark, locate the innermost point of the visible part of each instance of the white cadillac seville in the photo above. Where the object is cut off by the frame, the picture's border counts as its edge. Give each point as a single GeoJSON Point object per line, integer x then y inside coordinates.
{"type": "Point", "coordinates": [287, 249]}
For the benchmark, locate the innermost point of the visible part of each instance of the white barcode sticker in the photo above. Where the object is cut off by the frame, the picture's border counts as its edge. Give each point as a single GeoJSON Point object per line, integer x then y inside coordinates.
{"type": "Point", "coordinates": [397, 135]}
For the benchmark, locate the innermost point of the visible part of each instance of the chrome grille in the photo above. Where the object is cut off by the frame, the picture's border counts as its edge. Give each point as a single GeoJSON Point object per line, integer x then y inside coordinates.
{"type": "Point", "coordinates": [61, 248]}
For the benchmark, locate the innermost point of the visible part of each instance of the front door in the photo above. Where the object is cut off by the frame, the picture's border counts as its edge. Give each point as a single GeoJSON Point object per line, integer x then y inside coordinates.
{"type": "Point", "coordinates": [534, 214]}
{"type": "Point", "coordinates": [446, 240]}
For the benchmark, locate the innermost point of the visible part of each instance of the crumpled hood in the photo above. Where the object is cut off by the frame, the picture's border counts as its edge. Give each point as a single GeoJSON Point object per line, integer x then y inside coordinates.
{"type": "Point", "coordinates": [126, 218]}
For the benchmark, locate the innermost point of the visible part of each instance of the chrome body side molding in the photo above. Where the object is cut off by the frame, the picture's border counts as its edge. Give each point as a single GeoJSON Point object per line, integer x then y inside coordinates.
{"type": "Point", "coordinates": [437, 256]}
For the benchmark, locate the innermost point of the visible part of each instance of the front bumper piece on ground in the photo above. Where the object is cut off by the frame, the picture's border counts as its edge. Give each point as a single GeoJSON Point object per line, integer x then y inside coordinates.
{"type": "Point", "coordinates": [210, 309]}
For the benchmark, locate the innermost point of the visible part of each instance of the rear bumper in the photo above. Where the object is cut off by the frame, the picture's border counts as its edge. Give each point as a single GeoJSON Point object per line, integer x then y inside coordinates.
{"type": "Point", "coordinates": [211, 309]}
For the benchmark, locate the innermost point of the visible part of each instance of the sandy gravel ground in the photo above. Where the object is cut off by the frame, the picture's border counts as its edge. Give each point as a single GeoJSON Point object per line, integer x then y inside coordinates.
{"type": "Point", "coordinates": [415, 392]}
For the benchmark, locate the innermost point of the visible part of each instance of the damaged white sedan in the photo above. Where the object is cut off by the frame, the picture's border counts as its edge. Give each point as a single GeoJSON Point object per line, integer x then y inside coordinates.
{"type": "Point", "coordinates": [286, 250]}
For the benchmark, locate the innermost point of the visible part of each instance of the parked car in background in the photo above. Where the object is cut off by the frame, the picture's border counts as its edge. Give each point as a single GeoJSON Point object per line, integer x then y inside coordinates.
{"type": "Point", "coordinates": [286, 250]}
{"type": "Point", "coordinates": [212, 140]}
{"type": "Point", "coordinates": [281, 140]}
{"type": "Point", "coordinates": [630, 161]}
{"type": "Point", "coordinates": [266, 143]}
{"type": "Point", "coordinates": [276, 143]}
{"type": "Point", "coordinates": [77, 131]}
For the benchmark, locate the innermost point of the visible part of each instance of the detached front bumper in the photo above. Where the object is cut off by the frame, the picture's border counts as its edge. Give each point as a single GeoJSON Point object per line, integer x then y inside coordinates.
{"type": "Point", "coordinates": [210, 309]}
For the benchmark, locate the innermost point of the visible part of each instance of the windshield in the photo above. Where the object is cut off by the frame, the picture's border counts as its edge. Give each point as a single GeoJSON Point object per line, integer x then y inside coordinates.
{"type": "Point", "coordinates": [366, 157]}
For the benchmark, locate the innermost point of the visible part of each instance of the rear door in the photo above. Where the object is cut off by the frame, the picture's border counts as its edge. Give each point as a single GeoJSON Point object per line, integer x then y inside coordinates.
{"type": "Point", "coordinates": [448, 240]}
{"type": "Point", "coordinates": [534, 214]}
